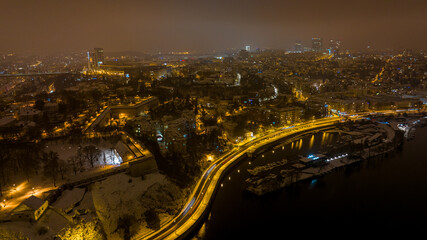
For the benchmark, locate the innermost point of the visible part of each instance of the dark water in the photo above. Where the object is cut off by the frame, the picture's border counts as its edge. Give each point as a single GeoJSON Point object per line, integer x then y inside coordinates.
{"type": "Point", "coordinates": [378, 197]}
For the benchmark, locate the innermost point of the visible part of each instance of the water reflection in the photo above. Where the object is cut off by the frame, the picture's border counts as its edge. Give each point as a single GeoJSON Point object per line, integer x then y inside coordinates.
{"type": "Point", "coordinates": [399, 179]}
{"type": "Point", "coordinates": [202, 232]}
{"type": "Point", "coordinates": [233, 203]}
{"type": "Point", "coordinates": [311, 141]}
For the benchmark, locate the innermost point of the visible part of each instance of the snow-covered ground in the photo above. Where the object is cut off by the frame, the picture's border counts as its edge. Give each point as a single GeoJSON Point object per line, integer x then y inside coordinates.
{"type": "Point", "coordinates": [14, 195]}
{"type": "Point", "coordinates": [66, 150]}
{"type": "Point", "coordinates": [121, 195]}
{"type": "Point", "coordinates": [51, 221]}
{"type": "Point", "coordinates": [69, 197]}
{"type": "Point", "coordinates": [102, 206]}
{"type": "Point", "coordinates": [38, 184]}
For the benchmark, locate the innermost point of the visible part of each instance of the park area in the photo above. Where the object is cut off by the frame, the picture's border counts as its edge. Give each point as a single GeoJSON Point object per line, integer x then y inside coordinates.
{"type": "Point", "coordinates": [36, 169]}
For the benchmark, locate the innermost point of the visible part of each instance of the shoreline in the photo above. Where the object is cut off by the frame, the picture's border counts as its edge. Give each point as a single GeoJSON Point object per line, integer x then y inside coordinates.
{"type": "Point", "coordinates": [274, 178]}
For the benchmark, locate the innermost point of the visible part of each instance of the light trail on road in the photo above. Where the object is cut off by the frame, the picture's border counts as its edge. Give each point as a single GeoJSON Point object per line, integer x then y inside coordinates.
{"type": "Point", "coordinates": [198, 203]}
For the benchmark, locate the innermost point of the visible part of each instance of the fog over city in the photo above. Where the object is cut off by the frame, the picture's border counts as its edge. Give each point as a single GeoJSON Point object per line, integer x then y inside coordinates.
{"type": "Point", "coordinates": [194, 25]}
{"type": "Point", "coordinates": [212, 119]}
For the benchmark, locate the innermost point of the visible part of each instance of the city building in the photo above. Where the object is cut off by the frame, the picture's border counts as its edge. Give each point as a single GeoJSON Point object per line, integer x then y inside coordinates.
{"type": "Point", "coordinates": [335, 46]}
{"type": "Point", "coordinates": [95, 58]}
{"type": "Point", "coordinates": [176, 133]}
{"type": "Point", "coordinates": [30, 209]}
{"type": "Point", "coordinates": [316, 44]}
{"type": "Point", "coordinates": [122, 113]}
{"type": "Point", "coordinates": [7, 121]}
{"type": "Point", "coordinates": [298, 47]}
{"type": "Point", "coordinates": [29, 114]}
{"type": "Point", "coordinates": [288, 115]}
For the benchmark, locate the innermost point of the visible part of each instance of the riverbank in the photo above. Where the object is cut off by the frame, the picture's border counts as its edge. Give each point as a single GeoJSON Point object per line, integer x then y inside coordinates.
{"type": "Point", "coordinates": [366, 140]}
{"type": "Point", "coordinates": [291, 174]}
{"type": "Point", "coordinates": [379, 197]}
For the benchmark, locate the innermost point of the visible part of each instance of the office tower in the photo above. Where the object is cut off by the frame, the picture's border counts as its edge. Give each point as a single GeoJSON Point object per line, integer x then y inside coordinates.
{"type": "Point", "coordinates": [248, 48]}
{"type": "Point", "coordinates": [335, 46]}
{"type": "Point", "coordinates": [99, 56]}
{"type": "Point", "coordinates": [298, 46]}
{"type": "Point", "coordinates": [331, 44]}
{"type": "Point", "coordinates": [316, 44]}
{"type": "Point", "coordinates": [95, 58]}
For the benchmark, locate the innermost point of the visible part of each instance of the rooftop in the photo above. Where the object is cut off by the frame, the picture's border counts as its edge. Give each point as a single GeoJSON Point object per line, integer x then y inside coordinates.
{"type": "Point", "coordinates": [33, 202]}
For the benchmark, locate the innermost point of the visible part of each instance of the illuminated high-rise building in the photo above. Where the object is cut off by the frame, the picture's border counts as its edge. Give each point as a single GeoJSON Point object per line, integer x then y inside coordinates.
{"type": "Point", "coordinates": [316, 44]}
{"type": "Point", "coordinates": [99, 56]}
{"type": "Point", "coordinates": [95, 58]}
{"type": "Point", "coordinates": [298, 47]}
{"type": "Point", "coordinates": [248, 48]}
{"type": "Point", "coordinates": [335, 46]}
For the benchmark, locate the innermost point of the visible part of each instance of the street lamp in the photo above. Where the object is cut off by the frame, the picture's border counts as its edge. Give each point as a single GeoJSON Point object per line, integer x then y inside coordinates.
{"type": "Point", "coordinates": [209, 157]}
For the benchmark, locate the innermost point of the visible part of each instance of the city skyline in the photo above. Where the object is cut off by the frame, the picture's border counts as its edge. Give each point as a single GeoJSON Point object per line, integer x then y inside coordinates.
{"type": "Point", "coordinates": [243, 119]}
{"type": "Point", "coordinates": [53, 27]}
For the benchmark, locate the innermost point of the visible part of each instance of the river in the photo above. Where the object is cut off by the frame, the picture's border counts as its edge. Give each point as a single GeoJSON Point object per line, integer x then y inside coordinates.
{"type": "Point", "coordinates": [377, 197]}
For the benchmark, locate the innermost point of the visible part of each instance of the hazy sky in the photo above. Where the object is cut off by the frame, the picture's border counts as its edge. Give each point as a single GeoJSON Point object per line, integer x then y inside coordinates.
{"type": "Point", "coordinates": [166, 25]}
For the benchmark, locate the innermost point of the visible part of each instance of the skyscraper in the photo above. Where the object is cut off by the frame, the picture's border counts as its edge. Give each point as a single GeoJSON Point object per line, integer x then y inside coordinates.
{"type": "Point", "coordinates": [99, 56]}
{"type": "Point", "coordinates": [95, 58]}
{"type": "Point", "coordinates": [316, 44]}
{"type": "Point", "coordinates": [298, 47]}
{"type": "Point", "coordinates": [335, 46]}
{"type": "Point", "coordinates": [248, 48]}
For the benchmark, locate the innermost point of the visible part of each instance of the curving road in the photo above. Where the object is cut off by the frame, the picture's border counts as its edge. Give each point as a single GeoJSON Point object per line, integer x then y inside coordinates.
{"type": "Point", "coordinates": [198, 203]}
{"type": "Point", "coordinates": [202, 195]}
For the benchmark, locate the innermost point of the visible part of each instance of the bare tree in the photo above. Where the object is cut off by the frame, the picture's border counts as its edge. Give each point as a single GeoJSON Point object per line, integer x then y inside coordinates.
{"type": "Point", "coordinates": [51, 165]}
{"type": "Point", "coordinates": [80, 159]}
{"type": "Point", "coordinates": [27, 160]}
{"type": "Point", "coordinates": [62, 168]}
{"type": "Point", "coordinates": [91, 153]}
{"type": "Point", "coordinates": [112, 154]}
{"type": "Point", "coordinates": [4, 157]}
{"type": "Point", "coordinates": [73, 161]}
{"type": "Point", "coordinates": [104, 158]}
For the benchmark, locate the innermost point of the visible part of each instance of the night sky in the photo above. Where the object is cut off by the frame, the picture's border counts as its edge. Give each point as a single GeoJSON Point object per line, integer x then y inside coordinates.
{"type": "Point", "coordinates": [200, 25]}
